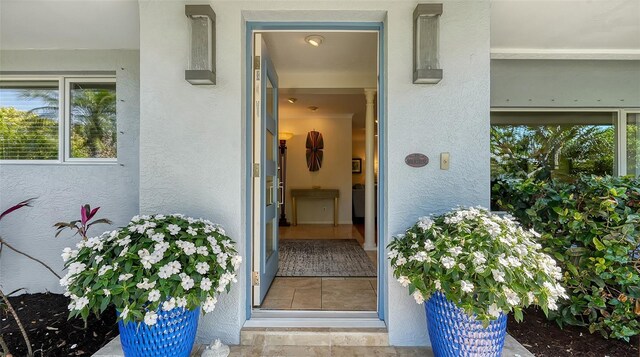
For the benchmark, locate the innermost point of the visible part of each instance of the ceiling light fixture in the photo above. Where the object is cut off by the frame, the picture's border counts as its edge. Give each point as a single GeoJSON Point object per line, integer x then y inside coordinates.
{"type": "Point", "coordinates": [313, 108]}
{"type": "Point", "coordinates": [314, 40]}
{"type": "Point", "coordinates": [292, 100]}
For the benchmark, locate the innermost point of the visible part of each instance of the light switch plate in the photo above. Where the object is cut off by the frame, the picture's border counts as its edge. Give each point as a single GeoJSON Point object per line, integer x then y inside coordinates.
{"type": "Point", "coordinates": [444, 161]}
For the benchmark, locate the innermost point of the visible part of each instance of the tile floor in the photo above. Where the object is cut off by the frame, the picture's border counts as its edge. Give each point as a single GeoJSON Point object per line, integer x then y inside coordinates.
{"type": "Point", "coordinates": [328, 294]}
{"type": "Point", "coordinates": [323, 293]}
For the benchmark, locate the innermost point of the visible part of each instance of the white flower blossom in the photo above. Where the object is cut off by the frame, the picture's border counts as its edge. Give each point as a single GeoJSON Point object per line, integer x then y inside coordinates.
{"type": "Point", "coordinates": [150, 318]}
{"type": "Point", "coordinates": [124, 313]}
{"type": "Point", "coordinates": [181, 302]}
{"type": "Point", "coordinates": [154, 295]}
{"type": "Point", "coordinates": [428, 245]}
{"type": "Point", "coordinates": [209, 304]}
{"type": "Point", "coordinates": [205, 284]}
{"type": "Point", "coordinates": [425, 223]}
{"type": "Point", "coordinates": [68, 253]}
{"type": "Point", "coordinates": [124, 277]}
{"type": "Point", "coordinates": [455, 251]}
{"type": "Point", "coordinates": [447, 262]}
{"type": "Point", "coordinates": [202, 250]}
{"type": "Point", "coordinates": [169, 304]}
{"type": "Point", "coordinates": [104, 269]}
{"type": "Point", "coordinates": [173, 229]}
{"type": "Point", "coordinates": [187, 282]}
{"type": "Point", "coordinates": [202, 268]}
{"type": "Point", "coordinates": [498, 275]}
{"type": "Point", "coordinates": [417, 295]}
{"type": "Point", "coordinates": [404, 281]}
{"type": "Point", "coordinates": [81, 303]}
{"type": "Point", "coordinates": [466, 286]}
{"type": "Point", "coordinates": [494, 311]}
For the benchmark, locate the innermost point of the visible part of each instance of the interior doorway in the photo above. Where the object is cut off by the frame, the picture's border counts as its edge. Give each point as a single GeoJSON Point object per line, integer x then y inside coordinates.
{"type": "Point", "coordinates": [315, 170]}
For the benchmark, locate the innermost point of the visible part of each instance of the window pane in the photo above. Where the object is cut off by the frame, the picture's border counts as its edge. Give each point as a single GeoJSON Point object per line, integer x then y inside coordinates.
{"type": "Point", "coordinates": [633, 144]}
{"type": "Point", "coordinates": [93, 120]}
{"type": "Point", "coordinates": [552, 144]}
{"type": "Point", "coordinates": [29, 120]}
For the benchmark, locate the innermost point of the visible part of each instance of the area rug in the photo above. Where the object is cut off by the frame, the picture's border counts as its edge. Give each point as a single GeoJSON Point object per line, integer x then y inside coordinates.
{"type": "Point", "coordinates": [323, 257]}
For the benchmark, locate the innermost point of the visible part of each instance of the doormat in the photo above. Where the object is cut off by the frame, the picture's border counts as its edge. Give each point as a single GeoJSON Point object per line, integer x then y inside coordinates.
{"type": "Point", "coordinates": [323, 257]}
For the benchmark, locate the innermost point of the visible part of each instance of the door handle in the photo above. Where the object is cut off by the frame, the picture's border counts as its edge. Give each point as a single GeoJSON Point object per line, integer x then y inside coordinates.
{"type": "Point", "coordinates": [281, 189]}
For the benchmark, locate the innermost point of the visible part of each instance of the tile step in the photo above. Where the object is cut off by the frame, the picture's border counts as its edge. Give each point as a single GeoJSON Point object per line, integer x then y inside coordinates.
{"type": "Point", "coordinates": [273, 336]}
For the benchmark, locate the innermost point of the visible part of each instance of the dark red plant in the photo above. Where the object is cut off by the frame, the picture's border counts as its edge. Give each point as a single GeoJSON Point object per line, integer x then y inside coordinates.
{"type": "Point", "coordinates": [25, 203]}
{"type": "Point", "coordinates": [82, 225]}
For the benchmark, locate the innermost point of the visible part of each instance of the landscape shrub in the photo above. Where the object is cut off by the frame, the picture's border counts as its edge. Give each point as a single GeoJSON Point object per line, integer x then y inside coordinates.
{"type": "Point", "coordinates": [592, 227]}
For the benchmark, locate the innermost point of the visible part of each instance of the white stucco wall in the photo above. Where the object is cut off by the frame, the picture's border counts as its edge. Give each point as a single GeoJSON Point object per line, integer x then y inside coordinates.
{"type": "Point", "coordinates": [62, 188]}
{"type": "Point", "coordinates": [192, 142]}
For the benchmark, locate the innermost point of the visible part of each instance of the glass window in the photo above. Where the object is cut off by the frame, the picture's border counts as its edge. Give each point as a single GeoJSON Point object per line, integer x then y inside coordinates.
{"type": "Point", "coordinates": [559, 145]}
{"type": "Point", "coordinates": [92, 120]}
{"type": "Point", "coordinates": [633, 144]}
{"type": "Point", "coordinates": [29, 114]}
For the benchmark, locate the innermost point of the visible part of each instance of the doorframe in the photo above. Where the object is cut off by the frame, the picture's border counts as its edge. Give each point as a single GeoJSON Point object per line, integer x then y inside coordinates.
{"type": "Point", "coordinates": [250, 27]}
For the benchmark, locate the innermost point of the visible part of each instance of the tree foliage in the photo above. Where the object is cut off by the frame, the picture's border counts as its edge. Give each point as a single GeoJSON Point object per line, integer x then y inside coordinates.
{"type": "Point", "coordinates": [27, 136]}
{"type": "Point", "coordinates": [592, 227]}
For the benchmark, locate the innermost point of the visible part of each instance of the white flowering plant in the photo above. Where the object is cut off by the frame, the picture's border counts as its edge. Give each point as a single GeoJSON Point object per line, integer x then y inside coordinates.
{"type": "Point", "coordinates": [484, 263]}
{"type": "Point", "coordinates": [155, 262]}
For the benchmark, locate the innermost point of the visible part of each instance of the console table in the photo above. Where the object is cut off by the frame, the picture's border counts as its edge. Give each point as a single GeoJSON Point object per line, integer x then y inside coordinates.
{"type": "Point", "coordinates": [314, 193]}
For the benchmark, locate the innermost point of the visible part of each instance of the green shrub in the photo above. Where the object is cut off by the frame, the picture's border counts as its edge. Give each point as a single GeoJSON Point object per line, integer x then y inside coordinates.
{"type": "Point", "coordinates": [592, 227]}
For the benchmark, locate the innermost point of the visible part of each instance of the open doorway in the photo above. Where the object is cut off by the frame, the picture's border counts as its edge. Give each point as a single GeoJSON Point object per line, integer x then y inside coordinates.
{"type": "Point", "coordinates": [315, 183]}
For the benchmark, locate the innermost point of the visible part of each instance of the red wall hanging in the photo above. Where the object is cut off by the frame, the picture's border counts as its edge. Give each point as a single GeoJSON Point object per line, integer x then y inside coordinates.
{"type": "Point", "coordinates": [315, 144]}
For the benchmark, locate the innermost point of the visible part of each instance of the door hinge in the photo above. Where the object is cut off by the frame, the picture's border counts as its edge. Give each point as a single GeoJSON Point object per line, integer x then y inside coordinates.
{"type": "Point", "coordinates": [255, 278]}
{"type": "Point", "coordinates": [256, 62]}
{"type": "Point", "coordinates": [256, 170]}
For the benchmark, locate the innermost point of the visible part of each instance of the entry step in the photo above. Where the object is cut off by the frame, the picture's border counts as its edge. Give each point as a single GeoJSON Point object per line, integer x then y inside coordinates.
{"type": "Point", "coordinates": [284, 336]}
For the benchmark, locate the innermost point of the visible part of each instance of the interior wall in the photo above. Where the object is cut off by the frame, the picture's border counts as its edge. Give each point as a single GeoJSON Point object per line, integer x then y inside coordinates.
{"type": "Point", "coordinates": [62, 188]}
{"type": "Point", "coordinates": [358, 152]}
{"type": "Point", "coordinates": [334, 173]}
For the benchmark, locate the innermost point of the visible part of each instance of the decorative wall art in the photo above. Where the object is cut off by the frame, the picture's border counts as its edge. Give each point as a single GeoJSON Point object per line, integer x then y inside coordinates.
{"type": "Point", "coordinates": [356, 166]}
{"type": "Point", "coordinates": [314, 145]}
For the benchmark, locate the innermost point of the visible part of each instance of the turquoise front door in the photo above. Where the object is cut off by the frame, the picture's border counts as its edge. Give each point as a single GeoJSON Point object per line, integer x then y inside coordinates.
{"type": "Point", "coordinates": [266, 179]}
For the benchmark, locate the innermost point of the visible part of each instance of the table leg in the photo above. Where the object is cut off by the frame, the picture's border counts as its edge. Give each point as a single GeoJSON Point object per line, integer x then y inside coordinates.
{"type": "Point", "coordinates": [335, 211]}
{"type": "Point", "coordinates": [294, 211]}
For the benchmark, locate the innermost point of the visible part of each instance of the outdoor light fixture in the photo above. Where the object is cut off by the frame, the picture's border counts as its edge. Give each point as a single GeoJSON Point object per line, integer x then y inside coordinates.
{"type": "Point", "coordinates": [314, 40]}
{"type": "Point", "coordinates": [426, 69]}
{"type": "Point", "coordinates": [202, 59]}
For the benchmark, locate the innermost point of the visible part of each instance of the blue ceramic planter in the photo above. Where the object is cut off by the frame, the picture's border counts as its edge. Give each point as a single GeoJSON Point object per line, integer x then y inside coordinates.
{"type": "Point", "coordinates": [172, 336]}
{"type": "Point", "coordinates": [454, 334]}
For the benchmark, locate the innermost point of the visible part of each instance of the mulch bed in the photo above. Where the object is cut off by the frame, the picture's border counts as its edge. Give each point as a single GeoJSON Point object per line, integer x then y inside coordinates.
{"type": "Point", "coordinates": [545, 338]}
{"type": "Point", "coordinates": [44, 316]}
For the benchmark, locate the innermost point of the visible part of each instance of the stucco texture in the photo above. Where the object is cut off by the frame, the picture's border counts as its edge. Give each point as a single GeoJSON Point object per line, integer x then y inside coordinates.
{"type": "Point", "coordinates": [192, 143]}
{"type": "Point", "coordinates": [62, 188]}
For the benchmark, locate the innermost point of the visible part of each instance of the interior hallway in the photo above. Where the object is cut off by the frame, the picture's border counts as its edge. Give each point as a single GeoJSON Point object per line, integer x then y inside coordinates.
{"type": "Point", "coordinates": [323, 293]}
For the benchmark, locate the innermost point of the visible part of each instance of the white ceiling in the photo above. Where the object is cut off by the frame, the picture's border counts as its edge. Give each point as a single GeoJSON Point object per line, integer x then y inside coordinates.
{"type": "Point", "coordinates": [336, 103]}
{"type": "Point", "coordinates": [517, 26]}
{"type": "Point", "coordinates": [349, 58]}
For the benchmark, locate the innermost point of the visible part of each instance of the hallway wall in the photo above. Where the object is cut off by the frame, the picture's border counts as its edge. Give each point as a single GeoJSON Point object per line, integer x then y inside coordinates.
{"type": "Point", "coordinates": [334, 173]}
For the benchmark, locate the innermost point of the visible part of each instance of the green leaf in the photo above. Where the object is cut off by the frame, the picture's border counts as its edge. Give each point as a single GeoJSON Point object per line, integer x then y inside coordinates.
{"type": "Point", "coordinates": [598, 244]}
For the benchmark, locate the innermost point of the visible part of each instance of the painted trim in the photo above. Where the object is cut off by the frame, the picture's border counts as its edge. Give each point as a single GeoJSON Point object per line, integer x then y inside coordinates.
{"type": "Point", "coordinates": [337, 322]}
{"type": "Point", "coordinates": [565, 54]}
{"type": "Point", "coordinates": [250, 27]}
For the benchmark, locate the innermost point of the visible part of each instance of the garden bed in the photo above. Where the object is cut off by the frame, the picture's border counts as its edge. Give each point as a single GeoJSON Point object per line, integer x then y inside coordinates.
{"type": "Point", "coordinates": [545, 338]}
{"type": "Point", "coordinates": [44, 316]}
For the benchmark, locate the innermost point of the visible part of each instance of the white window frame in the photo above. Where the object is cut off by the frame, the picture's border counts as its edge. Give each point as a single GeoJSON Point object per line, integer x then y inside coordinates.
{"type": "Point", "coordinates": [621, 127]}
{"type": "Point", "coordinates": [67, 119]}
{"type": "Point", "coordinates": [623, 135]}
{"type": "Point", "coordinates": [63, 117]}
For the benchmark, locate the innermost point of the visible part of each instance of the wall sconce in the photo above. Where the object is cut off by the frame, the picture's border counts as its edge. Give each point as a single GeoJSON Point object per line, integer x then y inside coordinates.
{"type": "Point", "coordinates": [426, 69]}
{"type": "Point", "coordinates": [202, 59]}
